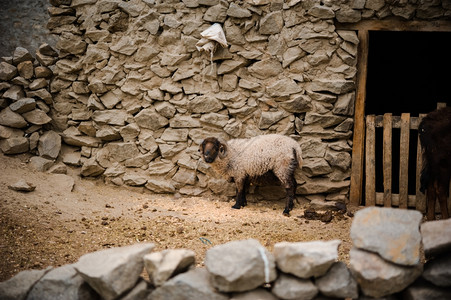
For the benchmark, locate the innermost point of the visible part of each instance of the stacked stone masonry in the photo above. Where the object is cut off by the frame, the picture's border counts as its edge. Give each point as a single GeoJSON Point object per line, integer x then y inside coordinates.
{"type": "Point", "coordinates": [385, 263]}
{"type": "Point", "coordinates": [133, 97]}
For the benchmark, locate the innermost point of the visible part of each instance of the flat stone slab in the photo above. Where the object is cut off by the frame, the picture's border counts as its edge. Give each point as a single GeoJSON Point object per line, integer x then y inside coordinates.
{"type": "Point", "coordinates": [163, 265]}
{"type": "Point", "coordinates": [392, 233]}
{"type": "Point", "coordinates": [194, 284]}
{"type": "Point", "coordinates": [240, 266]}
{"type": "Point", "coordinates": [436, 237]}
{"type": "Point", "coordinates": [102, 269]}
{"type": "Point", "coordinates": [378, 277]}
{"type": "Point", "coordinates": [306, 259]}
{"type": "Point", "coordinates": [17, 287]}
{"type": "Point", "coordinates": [22, 186]}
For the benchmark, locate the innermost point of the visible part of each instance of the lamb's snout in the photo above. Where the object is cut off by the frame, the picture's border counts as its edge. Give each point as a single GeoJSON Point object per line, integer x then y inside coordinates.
{"type": "Point", "coordinates": [207, 157]}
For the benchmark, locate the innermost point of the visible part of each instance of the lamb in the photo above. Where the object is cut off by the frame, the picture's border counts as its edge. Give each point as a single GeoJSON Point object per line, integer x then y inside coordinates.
{"type": "Point", "coordinates": [244, 160]}
{"type": "Point", "coordinates": [435, 139]}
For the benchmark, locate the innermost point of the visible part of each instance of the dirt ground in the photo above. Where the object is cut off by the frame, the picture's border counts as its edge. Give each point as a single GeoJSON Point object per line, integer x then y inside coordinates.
{"type": "Point", "coordinates": [53, 226]}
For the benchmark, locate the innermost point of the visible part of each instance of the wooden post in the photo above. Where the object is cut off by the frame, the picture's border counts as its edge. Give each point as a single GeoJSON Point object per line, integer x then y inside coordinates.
{"type": "Point", "coordinates": [404, 160]}
{"type": "Point", "coordinates": [370, 161]}
{"type": "Point", "coordinates": [387, 159]}
{"type": "Point", "coordinates": [420, 198]}
{"type": "Point", "coordinates": [355, 193]}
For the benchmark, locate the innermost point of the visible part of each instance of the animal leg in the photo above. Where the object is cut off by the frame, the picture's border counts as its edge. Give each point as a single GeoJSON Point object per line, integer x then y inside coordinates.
{"type": "Point", "coordinates": [443, 188]}
{"type": "Point", "coordinates": [290, 189]}
{"type": "Point", "coordinates": [241, 194]}
{"type": "Point", "coordinates": [431, 196]}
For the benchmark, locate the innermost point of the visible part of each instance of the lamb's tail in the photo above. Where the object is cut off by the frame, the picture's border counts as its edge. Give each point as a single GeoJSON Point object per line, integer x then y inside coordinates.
{"type": "Point", "coordinates": [298, 155]}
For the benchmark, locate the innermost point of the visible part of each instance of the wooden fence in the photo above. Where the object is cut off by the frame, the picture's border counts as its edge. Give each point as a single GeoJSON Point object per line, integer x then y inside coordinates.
{"type": "Point", "coordinates": [387, 198]}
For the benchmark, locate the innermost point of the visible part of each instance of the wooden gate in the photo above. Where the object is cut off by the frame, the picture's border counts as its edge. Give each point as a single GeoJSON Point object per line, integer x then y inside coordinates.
{"type": "Point", "coordinates": [388, 122]}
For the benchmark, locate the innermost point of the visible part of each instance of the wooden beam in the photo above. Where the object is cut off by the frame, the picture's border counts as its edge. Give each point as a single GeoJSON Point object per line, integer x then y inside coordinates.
{"type": "Point", "coordinates": [396, 24]}
{"type": "Point", "coordinates": [355, 193]}
{"type": "Point", "coordinates": [387, 159]}
{"type": "Point", "coordinates": [370, 162]}
{"type": "Point", "coordinates": [420, 204]}
{"type": "Point", "coordinates": [404, 160]}
{"type": "Point", "coordinates": [411, 201]}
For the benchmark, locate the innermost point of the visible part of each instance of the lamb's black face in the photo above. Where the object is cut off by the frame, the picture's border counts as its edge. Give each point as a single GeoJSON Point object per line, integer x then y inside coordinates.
{"type": "Point", "coordinates": [209, 149]}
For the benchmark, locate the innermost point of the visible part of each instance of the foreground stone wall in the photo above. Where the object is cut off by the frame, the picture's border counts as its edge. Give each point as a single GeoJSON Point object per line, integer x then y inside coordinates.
{"type": "Point", "coordinates": [134, 96]}
{"type": "Point", "coordinates": [385, 263]}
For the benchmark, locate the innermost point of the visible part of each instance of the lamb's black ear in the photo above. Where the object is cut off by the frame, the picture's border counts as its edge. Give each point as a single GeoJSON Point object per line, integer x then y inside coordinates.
{"type": "Point", "coordinates": [201, 147]}
{"type": "Point", "coordinates": [222, 150]}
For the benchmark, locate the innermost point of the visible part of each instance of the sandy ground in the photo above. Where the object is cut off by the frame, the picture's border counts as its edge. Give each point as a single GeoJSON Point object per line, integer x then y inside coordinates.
{"type": "Point", "coordinates": [53, 226]}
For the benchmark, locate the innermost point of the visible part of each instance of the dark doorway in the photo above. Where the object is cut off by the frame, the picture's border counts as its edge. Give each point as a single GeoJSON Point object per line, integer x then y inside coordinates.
{"type": "Point", "coordinates": [408, 72]}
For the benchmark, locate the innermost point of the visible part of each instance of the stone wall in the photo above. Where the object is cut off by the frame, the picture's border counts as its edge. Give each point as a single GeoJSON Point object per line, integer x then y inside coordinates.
{"type": "Point", "coordinates": [134, 96]}
{"type": "Point", "coordinates": [23, 24]}
{"type": "Point", "coordinates": [385, 263]}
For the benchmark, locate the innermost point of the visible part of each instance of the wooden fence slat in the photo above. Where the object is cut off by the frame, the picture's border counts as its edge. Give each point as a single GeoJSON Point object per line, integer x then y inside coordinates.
{"type": "Point", "coordinates": [387, 159]}
{"type": "Point", "coordinates": [370, 161]}
{"type": "Point", "coordinates": [404, 160]}
{"type": "Point", "coordinates": [395, 199]}
{"type": "Point", "coordinates": [420, 202]}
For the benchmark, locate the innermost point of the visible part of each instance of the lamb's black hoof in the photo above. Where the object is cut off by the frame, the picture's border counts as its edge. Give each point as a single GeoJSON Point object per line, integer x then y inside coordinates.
{"type": "Point", "coordinates": [236, 206]}
{"type": "Point", "coordinates": [286, 212]}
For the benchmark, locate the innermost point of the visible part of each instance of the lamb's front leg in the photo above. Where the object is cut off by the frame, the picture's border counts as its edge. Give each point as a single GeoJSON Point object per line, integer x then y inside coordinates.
{"type": "Point", "coordinates": [241, 194]}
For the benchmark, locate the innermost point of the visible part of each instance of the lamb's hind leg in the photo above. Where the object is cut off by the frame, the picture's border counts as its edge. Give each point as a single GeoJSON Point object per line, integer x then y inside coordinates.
{"type": "Point", "coordinates": [290, 190]}
{"type": "Point", "coordinates": [241, 194]}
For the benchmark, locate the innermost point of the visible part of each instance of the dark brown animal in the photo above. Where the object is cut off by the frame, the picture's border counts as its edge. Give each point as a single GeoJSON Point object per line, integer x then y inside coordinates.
{"type": "Point", "coordinates": [435, 139]}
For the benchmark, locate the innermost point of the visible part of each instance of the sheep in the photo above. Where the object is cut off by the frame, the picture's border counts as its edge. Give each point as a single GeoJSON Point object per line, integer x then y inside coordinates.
{"type": "Point", "coordinates": [245, 160]}
{"type": "Point", "coordinates": [435, 138]}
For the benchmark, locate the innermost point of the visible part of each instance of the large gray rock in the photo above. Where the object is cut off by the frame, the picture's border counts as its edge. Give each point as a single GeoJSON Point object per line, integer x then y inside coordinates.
{"type": "Point", "coordinates": [290, 287]}
{"type": "Point", "coordinates": [338, 282]}
{"type": "Point", "coordinates": [150, 119]}
{"type": "Point", "coordinates": [12, 119]}
{"type": "Point", "coordinates": [240, 266]}
{"type": "Point", "coordinates": [259, 293]}
{"type": "Point", "coordinates": [141, 291]}
{"type": "Point", "coordinates": [15, 145]}
{"type": "Point", "coordinates": [438, 271]}
{"type": "Point", "coordinates": [62, 283]}
{"type": "Point", "coordinates": [194, 284]}
{"type": "Point", "coordinates": [91, 168]}
{"type": "Point", "coordinates": [21, 54]}
{"type": "Point", "coordinates": [102, 269]}
{"type": "Point", "coordinates": [22, 186]}
{"type": "Point", "coordinates": [160, 186]}
{"type": "Point", "coordinates": [134, 179]}
{"type": "Point", "coordinates": [40, 164]}
{"type": "Point", "coordinates": [49, 144]}
{"type": "Point", "coordinates": [110, 117]}
{"type": "Point", "coordinates": [436, 237]}
{"type": "Point", "coordinates": [423, 290]}
{"type": "Point", "coordinates": [7, 71]}
{"type": "Point", "coordinates": [306, 259]}
{"type": "Point", "coordinates": [17, 287]}
{"type": "Point", "coordinates": [165, 264]}
{"type": "Point", "coordinates": [392, 233]}
{"type": "Point", "coordinates": [37, 117]}
{"type": "Point", "coordinates": [23, 105]}
{"type": "Point", "coordinates": [15, 92]}
{"type": "Point", "coordinates": [378, 277]}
